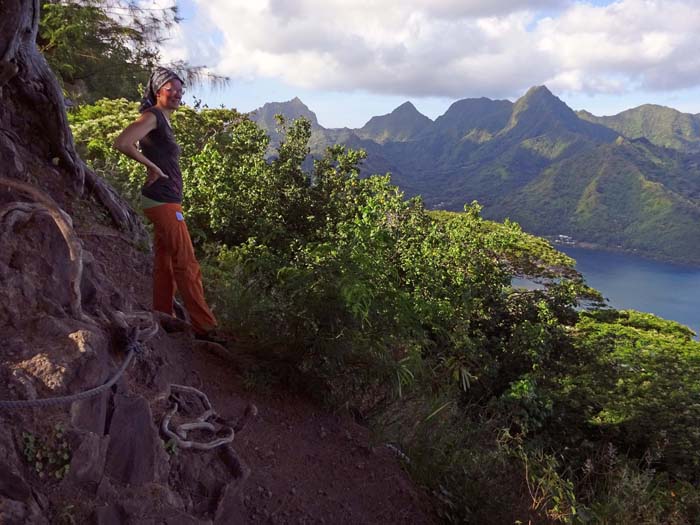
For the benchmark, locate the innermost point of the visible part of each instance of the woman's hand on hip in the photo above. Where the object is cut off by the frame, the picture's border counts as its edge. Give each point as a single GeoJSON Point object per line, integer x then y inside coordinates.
{"type": "Point", "coordinates": [154, 173]}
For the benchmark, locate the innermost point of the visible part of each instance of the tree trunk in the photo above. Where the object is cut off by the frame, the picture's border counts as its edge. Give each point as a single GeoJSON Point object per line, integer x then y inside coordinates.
{"type": "Point", "coordinates": [36, 144]}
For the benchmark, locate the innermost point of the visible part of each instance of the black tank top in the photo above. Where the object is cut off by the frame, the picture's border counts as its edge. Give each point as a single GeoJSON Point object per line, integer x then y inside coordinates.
{"type": "Point", "coordinates": [159, 147]}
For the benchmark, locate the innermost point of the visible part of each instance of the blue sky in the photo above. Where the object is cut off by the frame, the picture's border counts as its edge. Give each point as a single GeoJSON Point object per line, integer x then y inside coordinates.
{"type": "Point", "coordinates": [349, 60]}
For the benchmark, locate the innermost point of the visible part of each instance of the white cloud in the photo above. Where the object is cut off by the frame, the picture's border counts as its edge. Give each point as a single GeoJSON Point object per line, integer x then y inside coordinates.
{"type": "Point", "coordinates": [650, 44]}
{"type": "Point", "coordinates": [452, 48]}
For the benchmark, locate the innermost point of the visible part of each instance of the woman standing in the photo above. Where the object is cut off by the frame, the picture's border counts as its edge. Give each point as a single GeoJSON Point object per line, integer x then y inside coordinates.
{"type": "Point", "coordinates": [175, 266]}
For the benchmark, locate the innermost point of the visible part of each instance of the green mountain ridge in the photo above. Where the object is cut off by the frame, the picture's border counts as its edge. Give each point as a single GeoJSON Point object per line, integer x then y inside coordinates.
{"type": "Point", "coordinates": [663, 126]}
{"type": "Point", "coordinates": [629, 181]}
{"type": "Point", "coordinates": [466, 115]}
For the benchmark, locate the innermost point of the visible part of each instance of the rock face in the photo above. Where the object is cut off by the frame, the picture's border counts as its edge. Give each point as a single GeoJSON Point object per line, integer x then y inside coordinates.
{"type": "Point", "coordinates": [114, 454]}
{"type": "Point", "coordinates": [135, 455]}
{"type": "Point", "coordinates": [65, 333]}
{"type": "Point", "coordinates": [17, 504]}
{"type": "Point", "coordinates": [88, 461]}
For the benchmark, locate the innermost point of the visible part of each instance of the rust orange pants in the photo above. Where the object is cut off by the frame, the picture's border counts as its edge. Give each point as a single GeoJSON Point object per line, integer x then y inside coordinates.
{"type": "Point", "coordinates": [176, 268]}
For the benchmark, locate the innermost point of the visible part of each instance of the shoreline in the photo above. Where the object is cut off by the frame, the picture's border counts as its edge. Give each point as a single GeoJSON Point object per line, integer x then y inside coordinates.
{"type": "Point", "coordinates": [630, 281]}
{"type": "Point", "coordinates": [585, 245]}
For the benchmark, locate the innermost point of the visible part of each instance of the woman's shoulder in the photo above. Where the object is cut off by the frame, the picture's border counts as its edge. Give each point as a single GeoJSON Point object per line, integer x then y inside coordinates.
{"type": "Point", "coordinates": [156, 117]}
{"type": "Point", "coordinates": [149, 115]}
{"type": "Point", "coordinates": [153, 112]}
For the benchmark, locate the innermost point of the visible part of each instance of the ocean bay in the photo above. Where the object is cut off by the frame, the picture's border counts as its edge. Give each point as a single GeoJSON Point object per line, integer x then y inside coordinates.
{"type": "Point", "coordinates": [671, 291]}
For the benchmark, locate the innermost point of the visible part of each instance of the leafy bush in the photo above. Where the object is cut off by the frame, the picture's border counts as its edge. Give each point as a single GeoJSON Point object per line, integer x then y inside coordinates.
{"type": "Point", "coordinates": [634, 383]}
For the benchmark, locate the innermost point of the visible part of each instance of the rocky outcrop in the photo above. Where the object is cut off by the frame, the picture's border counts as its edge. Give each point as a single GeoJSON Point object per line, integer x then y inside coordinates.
{"type": "Point", "coordinates": [18, 505]}
{"type": "Point", "coordinates": [135, 455]}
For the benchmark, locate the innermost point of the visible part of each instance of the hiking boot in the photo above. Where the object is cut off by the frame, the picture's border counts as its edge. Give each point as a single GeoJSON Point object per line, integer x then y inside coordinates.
{"type": "Point", "coordinates": [173, 324]}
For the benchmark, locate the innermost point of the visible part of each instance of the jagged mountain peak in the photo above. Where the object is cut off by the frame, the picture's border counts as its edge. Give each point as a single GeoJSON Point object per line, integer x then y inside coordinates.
{"type": "Point", "coordinates": [539, 112]}
{"type": "Point", "coordinates": [542, 91]}
{"type": "Point", "coordinates": [402, 124]}
{"type": "Point", "coordinates": [290, 110]}
{"type": "Point", "coordinates": [406, 107]}
{"type": "Point", "coordinates": [540, 98]}
{"type": "Point", "coordinates": [474, 113]}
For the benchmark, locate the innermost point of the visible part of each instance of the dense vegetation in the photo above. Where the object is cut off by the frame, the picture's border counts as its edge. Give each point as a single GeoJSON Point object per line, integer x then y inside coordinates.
{"type": "Point", "coordinates": [101, 48]}
{"type": "Point", "coordinates": [510, 404]}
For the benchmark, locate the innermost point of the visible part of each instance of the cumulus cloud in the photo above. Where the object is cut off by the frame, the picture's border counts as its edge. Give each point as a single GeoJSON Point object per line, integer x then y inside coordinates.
{"type": "Point", "coordinates": [646, 43]}
{"type": "Point", "coordinates": [453, 48]}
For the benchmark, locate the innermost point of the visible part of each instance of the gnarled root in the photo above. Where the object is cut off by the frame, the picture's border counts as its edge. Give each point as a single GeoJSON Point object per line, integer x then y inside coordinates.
{"type": "Point", "coordinates": [44, 202]}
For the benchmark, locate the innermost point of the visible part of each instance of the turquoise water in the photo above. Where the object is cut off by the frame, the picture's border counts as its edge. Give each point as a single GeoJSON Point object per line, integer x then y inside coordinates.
{"type": "Point", "coordinates": [671, 291]}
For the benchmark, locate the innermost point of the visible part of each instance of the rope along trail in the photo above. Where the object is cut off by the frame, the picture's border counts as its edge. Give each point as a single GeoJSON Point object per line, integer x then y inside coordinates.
{"type": "Point", "coordinates": [132, 348]}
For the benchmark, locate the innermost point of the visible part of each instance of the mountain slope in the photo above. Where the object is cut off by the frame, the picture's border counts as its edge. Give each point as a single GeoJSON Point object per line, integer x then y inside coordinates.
{"type": "Point", "coordinates": [661, 125]}
{"type": "Point", "coordinates": [611, 196]}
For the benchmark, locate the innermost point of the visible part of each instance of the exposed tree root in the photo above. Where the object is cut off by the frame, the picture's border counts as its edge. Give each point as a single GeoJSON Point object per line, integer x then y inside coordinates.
{"type": "Point", "coordinates": [75, 250]}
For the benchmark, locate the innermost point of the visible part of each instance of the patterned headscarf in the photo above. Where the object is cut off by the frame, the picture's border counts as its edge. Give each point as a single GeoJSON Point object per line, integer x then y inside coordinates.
{"type": "Point", "coordinates": [159, 77]}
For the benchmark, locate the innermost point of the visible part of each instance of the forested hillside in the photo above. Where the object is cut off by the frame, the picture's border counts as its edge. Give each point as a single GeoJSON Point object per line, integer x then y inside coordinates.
{"type": "Point", "coordinates": [539, 163]}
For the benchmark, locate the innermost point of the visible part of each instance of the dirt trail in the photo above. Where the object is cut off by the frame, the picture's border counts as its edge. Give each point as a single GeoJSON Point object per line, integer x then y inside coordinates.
{"type": "Point", "coordinates": [307, 465]}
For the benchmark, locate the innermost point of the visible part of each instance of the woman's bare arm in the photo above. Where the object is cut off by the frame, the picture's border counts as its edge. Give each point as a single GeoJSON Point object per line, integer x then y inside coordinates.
{"type": "Point", "coordinates": [127, 139]}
